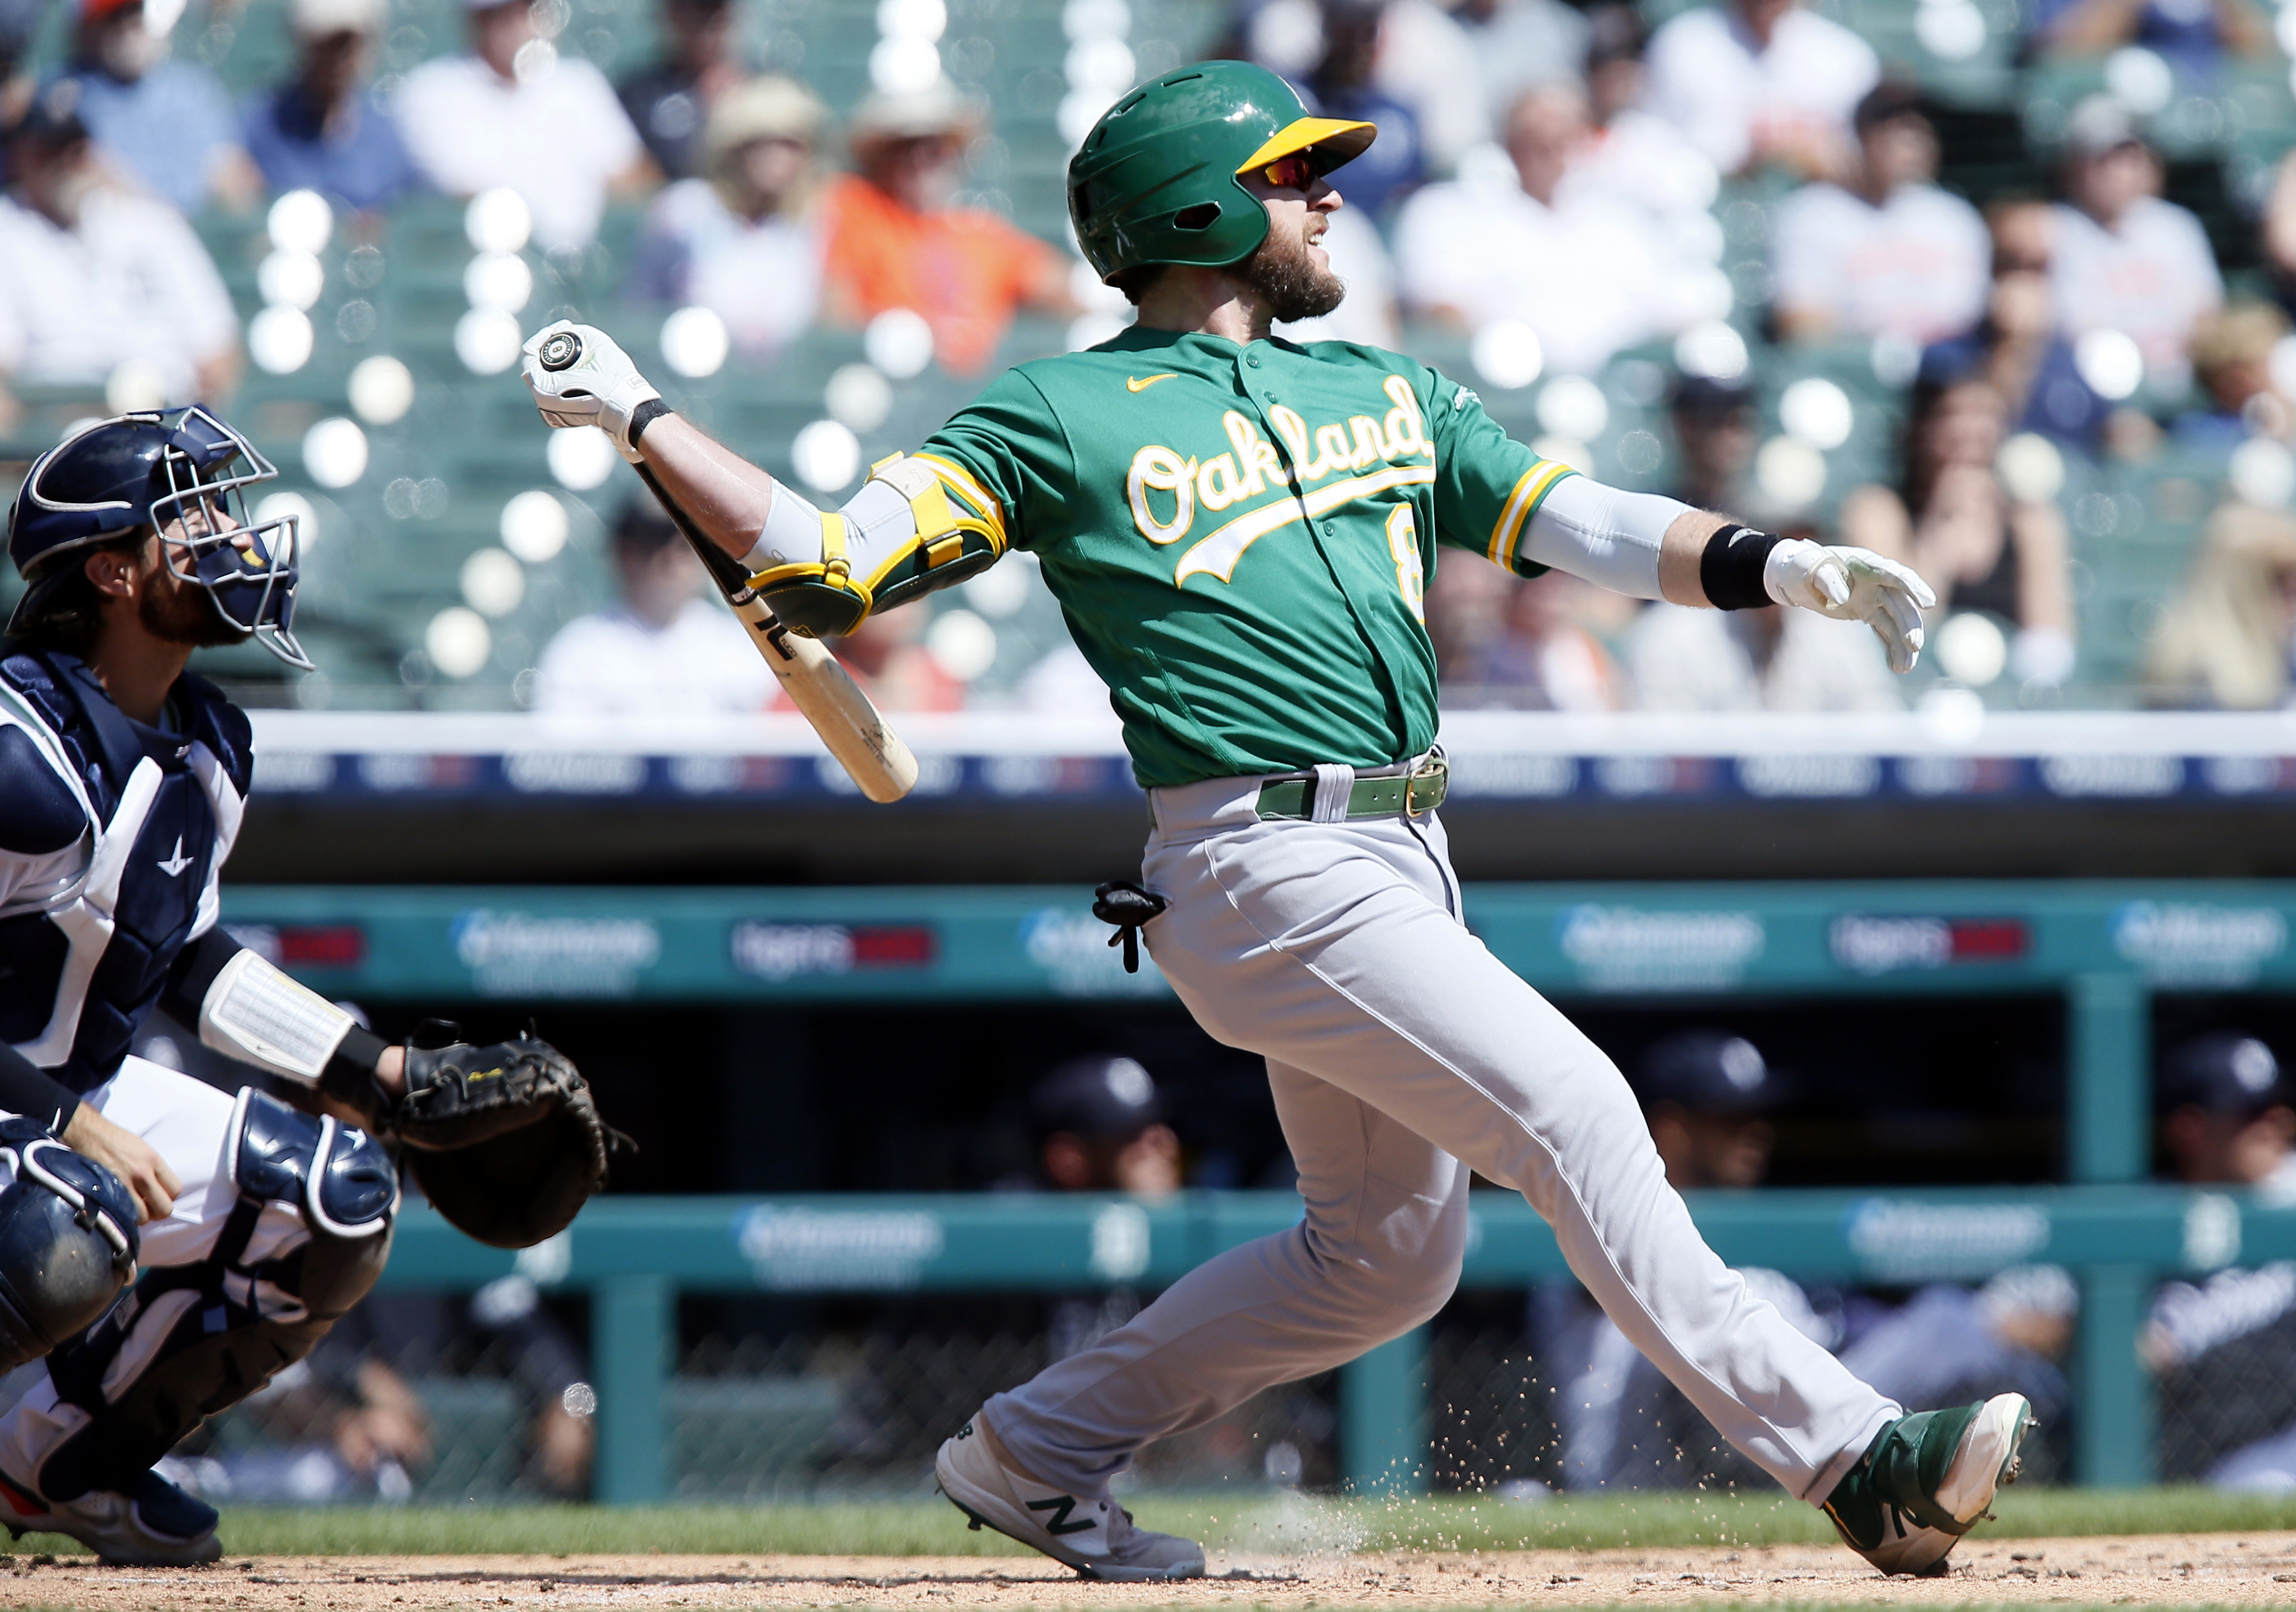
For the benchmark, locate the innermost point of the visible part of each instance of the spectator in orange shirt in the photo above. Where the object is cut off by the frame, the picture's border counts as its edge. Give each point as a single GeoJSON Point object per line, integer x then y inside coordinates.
{"type": "Point", "coordinates": [895, 241]}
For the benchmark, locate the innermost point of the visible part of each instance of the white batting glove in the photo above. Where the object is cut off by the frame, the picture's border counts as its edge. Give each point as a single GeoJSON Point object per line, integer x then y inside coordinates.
{"type": "Point", "coordinates": [1853, 584]}
{"type": "Point", "coordinates": [578, 376]}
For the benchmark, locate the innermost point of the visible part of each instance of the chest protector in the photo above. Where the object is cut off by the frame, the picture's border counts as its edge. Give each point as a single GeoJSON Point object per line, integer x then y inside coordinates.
{"type": "Point", "coordinates": [78, 972]}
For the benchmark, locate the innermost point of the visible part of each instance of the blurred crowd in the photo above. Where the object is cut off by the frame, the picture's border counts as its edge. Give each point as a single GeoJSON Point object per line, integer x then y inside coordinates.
{"type": "Point", "coordinates": [109, 152]}
{"type": "Point", "coordinates": [1551, 185]}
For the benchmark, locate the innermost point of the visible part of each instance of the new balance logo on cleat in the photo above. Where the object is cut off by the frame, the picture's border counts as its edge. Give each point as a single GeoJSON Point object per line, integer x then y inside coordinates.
{"type": "Point", "coordinates": [1094, 1535]}
{"type": "Point", "coordinates": [1059, 1506]}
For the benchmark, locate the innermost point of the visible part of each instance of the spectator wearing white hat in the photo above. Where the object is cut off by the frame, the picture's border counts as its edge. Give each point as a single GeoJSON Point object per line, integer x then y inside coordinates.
{"type": "Point", "coordinates": [744, 241]}
{"type": "Point", "coordinates": [512, 114]}
{"type": "Point", "coordinates": [94, 276]}
{"type": "Point", "coordinates": [897, 239]}
{"type": "Point", "coordinates": [1753, 82]}
{"type": "Point", "coordinates": [2126, 259]}
{"type": "Point", "coordinates": [321, 129]}
{"type": "Point", "coordinates": [167, 124]}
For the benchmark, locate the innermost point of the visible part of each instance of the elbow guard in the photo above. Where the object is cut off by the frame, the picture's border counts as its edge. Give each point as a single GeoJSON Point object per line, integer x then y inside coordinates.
{"type": "Point", "coordinates": [874, 561]}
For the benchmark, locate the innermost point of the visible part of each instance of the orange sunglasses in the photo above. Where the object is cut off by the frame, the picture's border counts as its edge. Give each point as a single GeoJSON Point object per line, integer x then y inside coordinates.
{"type": "Point", "coordinates": [1292, 172]}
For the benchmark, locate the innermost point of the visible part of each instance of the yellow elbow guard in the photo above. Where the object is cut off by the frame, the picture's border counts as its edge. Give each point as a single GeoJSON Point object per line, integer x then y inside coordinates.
{"type": "Point", "coordinates": [828, 599]}
{"type": "Point", "coordinates": [820, 598]}
{"type": "Point", "coordinates": [949, 546]}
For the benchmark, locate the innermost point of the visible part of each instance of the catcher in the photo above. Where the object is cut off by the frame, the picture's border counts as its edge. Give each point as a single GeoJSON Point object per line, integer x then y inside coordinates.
{"type": "Point", "coordinates": [255, 1223]}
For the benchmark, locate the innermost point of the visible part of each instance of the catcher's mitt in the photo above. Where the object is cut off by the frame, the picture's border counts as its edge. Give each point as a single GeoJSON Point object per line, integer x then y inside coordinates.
{"type": "Point", "coordinates": [505, 1141]}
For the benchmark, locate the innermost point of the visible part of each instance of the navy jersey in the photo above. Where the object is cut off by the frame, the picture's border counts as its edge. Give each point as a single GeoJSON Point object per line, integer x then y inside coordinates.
{"type": "Point", "coordinates": [112, 837]}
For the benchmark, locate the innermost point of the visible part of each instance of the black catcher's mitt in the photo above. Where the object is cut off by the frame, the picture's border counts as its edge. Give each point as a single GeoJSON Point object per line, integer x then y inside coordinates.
{"type": "Point", "coordinates": [505, 1141]}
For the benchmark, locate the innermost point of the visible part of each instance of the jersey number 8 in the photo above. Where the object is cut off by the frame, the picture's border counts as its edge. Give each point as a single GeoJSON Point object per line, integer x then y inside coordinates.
{"type": "Point", "coordinates": [1410, 572]}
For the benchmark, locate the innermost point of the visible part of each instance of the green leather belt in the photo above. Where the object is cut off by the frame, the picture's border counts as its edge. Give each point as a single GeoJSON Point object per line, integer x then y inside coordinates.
{"type": "Point", "coordinates": [1400, 794]}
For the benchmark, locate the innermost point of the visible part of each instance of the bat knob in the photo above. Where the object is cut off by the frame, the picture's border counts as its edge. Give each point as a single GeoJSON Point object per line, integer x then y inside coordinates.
{"type": "Point", "coordinates": [560, 351]}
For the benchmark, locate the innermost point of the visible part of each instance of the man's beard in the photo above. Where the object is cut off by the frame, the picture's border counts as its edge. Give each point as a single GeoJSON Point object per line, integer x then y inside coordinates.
{"type": "Point", "coordinates": [1285, 275]}
{"type": "Point", "coordinates": [186, 614]}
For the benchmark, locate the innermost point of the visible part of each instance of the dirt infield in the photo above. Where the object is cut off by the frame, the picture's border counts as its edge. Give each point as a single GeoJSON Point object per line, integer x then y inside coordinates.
{"type": "Point", "coordinates": [2176, 1569]}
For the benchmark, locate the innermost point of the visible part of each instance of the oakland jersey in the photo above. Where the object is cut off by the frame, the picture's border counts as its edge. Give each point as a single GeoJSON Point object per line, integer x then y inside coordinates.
{"type": "Point", "coordinates": [1241, 535]}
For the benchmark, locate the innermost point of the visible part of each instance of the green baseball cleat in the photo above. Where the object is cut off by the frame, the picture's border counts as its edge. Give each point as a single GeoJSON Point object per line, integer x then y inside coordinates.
{"type": "Point", "coordinates": [1925, 1479]}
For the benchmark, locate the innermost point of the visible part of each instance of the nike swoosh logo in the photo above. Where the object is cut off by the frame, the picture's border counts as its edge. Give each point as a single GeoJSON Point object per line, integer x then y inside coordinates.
{"type": "Point", "coordinates": [1131, 385]}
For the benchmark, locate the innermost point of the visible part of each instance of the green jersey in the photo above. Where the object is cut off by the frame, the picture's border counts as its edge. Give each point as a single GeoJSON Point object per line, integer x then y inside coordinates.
{"type": "Point", "coordinates": [1240, 535]}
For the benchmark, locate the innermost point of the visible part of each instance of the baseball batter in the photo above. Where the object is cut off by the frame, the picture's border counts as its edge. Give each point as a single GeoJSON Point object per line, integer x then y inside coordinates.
{"type": "Point", "coordinates": [1239, 530]}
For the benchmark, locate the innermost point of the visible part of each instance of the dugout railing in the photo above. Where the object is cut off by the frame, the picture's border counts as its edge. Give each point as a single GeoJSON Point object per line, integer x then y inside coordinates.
{"type": "Point", "coordinates": [2104, 949]}
{"type": "Point", "coordinates": [633, 1256]}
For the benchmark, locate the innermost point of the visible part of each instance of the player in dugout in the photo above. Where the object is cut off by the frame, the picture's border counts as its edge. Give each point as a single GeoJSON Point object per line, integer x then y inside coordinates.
{"type": "Point", "coordinates": [1239, 529]}
{"type": "Point", "coordinates": [254, 1223]}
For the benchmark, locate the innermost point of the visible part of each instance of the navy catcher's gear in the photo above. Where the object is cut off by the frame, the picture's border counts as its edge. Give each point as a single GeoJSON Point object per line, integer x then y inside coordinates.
{"type": "Point", "coordinates": [147, 470]}
{"type": "Point", "coordinates": [209, 1335]}
{"type": "Point", "coordinates": [68, 1242]}
{"type": "Point", "coordinates": [87, 944]}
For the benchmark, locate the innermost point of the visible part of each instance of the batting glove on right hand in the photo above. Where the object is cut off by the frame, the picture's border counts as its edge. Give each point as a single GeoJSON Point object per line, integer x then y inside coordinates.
{"type": "Point", "coordinates": [578, 376]}
{"type": "Point", "coordinates": [1853, 584]}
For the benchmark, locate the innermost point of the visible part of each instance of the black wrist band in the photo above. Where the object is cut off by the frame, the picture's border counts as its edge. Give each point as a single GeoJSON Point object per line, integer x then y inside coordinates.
{"type": "Point", "coordinates": [30, 1090]}
{"type": "Point", "coordinates": [350, 1075]}
{"type": "Point", "coordinates": [1730, 570]}
{"type": "Point", "coordinates": [645, 415]}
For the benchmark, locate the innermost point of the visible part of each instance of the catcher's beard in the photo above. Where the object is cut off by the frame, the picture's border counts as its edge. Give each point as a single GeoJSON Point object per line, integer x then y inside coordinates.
{"type": "Point", "coordinates": [1284, 275]}
{"type": "Point", "coordinates": [184, 612]}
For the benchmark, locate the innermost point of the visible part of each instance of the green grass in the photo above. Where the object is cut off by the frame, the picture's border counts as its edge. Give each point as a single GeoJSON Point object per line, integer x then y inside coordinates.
{"type": "Point", "coordinates": [1281, 1526]}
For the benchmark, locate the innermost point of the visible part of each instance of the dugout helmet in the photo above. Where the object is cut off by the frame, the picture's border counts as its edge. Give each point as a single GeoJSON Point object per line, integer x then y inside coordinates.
{"type": "Point", "coordinates": [145, 470]}
{"type": "Point", "coordinates": [1159, 179]}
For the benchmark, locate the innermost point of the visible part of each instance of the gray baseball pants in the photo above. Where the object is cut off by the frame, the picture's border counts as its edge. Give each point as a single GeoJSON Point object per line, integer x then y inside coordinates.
{"type": "Point", "coordinates": [1402, 1054]}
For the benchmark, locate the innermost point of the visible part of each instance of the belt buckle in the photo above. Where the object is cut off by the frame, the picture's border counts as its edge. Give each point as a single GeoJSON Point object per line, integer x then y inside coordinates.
{"type": "Point", "coordinates": [1433, 767]}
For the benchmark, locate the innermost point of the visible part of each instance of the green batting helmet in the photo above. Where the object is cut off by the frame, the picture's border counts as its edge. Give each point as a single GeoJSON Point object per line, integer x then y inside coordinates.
{"type": "Point", "coordinates": [1159, 179]}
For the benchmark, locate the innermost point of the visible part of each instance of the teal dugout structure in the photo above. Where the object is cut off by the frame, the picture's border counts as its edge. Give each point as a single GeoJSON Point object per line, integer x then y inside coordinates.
{"type": "Point", "coordinates": [2105, 947]}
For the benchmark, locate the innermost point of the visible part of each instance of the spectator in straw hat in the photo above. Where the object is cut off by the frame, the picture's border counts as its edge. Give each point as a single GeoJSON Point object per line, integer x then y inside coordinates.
{"type": "Point", "coordinates": [898, 238]}
{"type": "Point", "coordinates": [2232, 359]}
{"type": "Point", "coordinates": [2228, 635]}
{"type": "Point", "coordinates": [323, 130]}
{"type": "Point", "coordinates": [166, 124]}
{"type": "Point", "coordinates": [744, 241]}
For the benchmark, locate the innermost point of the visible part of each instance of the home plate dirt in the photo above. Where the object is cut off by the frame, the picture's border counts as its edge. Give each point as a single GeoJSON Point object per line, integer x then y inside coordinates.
{"type": "Point", "coordinates": [2186, 1569]}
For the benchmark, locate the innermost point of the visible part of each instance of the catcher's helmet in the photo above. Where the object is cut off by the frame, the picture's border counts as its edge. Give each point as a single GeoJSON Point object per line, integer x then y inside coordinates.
{"type": "Point", "coordinates": [147, 470]}
{"type": "Point", "coordinates": [1157, 179]}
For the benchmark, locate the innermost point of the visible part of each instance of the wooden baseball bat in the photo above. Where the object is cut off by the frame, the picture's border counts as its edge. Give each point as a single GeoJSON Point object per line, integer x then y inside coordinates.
{"type": "Point", "coordinates": [822, 692]}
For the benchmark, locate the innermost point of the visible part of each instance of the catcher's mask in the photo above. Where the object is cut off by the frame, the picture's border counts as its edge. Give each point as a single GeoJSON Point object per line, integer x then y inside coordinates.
{"type": "Point", "coordinates": [186, 469]}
